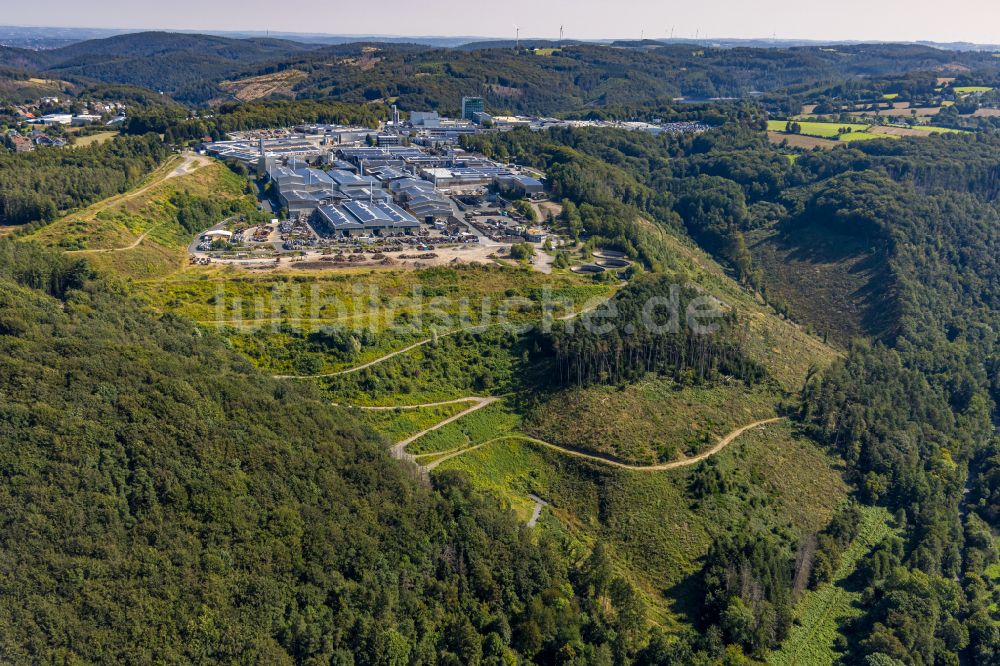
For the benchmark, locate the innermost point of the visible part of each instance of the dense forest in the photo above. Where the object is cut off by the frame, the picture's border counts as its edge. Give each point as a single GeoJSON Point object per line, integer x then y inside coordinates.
{"type": "Point", "coordinates": [654, 326]}
{"type": "Point", "coordinates": [577, 76]}
{"type": "Point", "coordinates": [36, 186]}
{"type": "Point", "coordinates": [188, 66]}
{"type": "Point", "coordinates": [910, 412]}
{"type": "Point", "coordinates": [178, 126]}
{"type": "Point", "coordinates": [165, 502]}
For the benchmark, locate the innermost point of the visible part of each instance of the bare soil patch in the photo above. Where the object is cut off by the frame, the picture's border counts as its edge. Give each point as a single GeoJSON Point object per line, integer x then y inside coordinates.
{"type": "Point", "coordinates": [800, 140]}
{"type": "Point", "coordinates": [258, 87]}
{"type": "Point", "coordinates": [897, 131]}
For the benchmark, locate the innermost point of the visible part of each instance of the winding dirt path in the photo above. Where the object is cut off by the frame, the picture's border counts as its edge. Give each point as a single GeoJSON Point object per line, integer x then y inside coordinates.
{"type": "Point", "coordinates": [132, 246]}
{"type": "Point", "coordinates": [392, 408]}
{"type": "Point", "coordinates": [399, 449]}
{"type": "Point", "coordinates": [605, 460]}
{"type": "Point", "coordinates": [369, 364]}
{"type": "Point", "coordinates": [421, 343]}
{"type": "Point", "coordinates": [189, 164]}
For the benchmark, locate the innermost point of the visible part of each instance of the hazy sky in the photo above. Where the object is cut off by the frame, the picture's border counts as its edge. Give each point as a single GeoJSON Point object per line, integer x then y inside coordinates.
{"type": "Point", "coordinates": [956, 20]}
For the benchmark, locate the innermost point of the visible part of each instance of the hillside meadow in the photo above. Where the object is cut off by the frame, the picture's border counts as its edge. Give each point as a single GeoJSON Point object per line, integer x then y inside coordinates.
{"type": "Point", "coordinates": [323, 322]}
{"type": "Point", "coordinates": [138, 234]}
{"type": "Point", "coordinates": [653, 524]}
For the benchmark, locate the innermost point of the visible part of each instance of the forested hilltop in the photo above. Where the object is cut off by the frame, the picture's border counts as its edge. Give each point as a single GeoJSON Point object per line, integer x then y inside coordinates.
{"type": "Point", "coordinates": [36, 188]}
{"type": "Point", "coordinates": [818, 482]}
{"type": "Point", "coordinates": [543, 77]}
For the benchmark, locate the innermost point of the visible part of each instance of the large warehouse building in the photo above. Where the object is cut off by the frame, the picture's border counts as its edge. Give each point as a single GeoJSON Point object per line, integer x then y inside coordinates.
{"type": "Point", "coordinates": [363, 218]}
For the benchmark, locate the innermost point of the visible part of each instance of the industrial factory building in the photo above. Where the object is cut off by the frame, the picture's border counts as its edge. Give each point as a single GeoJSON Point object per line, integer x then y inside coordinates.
{"type": "Point", "coordinates": [362, 218]}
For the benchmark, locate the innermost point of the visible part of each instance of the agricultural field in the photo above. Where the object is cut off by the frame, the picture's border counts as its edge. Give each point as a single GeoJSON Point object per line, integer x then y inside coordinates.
{"type": "Point", "coordinates": [821, 129]}
{"type": "Point", "coordinates": [820, 613]}
{"type": "Point", "coordinates": [903, 110]}
{"type": "Point", "coordinates": [865, 136]}
{"type": "Point", "coordinates": [800, 141]}
{"type": "Point", "coordinates": [968, 90]}
{"type": "Point", "coordinates": [913, 130]}
{"type": "Point", "coordinates": [96, 137]}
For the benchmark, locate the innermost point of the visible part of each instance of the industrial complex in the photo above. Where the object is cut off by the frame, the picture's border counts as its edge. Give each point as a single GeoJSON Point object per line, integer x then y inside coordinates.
{"type": "Point", "coordinates": [406, 182]}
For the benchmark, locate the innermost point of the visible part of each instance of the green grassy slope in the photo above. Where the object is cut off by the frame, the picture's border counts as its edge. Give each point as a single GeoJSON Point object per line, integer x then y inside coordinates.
{"type": "Point", "coordinates": [654, 526]}
{"type": "Point", "coordinates": [652, 421]}
{"type": "Point", "coordinates": [137, 234]}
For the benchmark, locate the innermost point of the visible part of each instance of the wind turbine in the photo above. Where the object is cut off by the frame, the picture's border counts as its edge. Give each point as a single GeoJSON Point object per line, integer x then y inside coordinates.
{"type": "Point", "coordinates": [560, 35]}
{"type": "Point", "coordinates": [517, 38]}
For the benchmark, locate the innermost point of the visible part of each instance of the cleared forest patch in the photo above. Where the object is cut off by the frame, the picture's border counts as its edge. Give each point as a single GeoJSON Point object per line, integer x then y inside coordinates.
{"type": "Point", "coordinates": [265, 85]}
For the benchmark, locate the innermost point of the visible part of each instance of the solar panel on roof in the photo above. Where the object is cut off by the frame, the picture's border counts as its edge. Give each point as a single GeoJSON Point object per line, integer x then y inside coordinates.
{"type": "Point", "coordinates": [395, 213]}
{"type": "Point", "coordinates": [334, 215]}
{"type": "Point", "coordinates": [364, 212]}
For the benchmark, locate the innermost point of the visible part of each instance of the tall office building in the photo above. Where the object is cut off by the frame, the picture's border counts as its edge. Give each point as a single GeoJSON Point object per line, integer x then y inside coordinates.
{"type": "Point", "coordinates": [472, 106]}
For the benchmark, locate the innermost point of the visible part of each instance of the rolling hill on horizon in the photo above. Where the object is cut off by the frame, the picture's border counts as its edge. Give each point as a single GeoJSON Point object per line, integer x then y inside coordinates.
{"type": "Point", "coordinates": [159, 61]}
{"type": "Point", "coordinates": [543, 77]}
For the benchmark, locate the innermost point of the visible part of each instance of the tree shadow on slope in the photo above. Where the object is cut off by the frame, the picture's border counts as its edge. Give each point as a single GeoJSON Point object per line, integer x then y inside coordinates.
{"type": "Point", "coordinates": [838, 284]}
